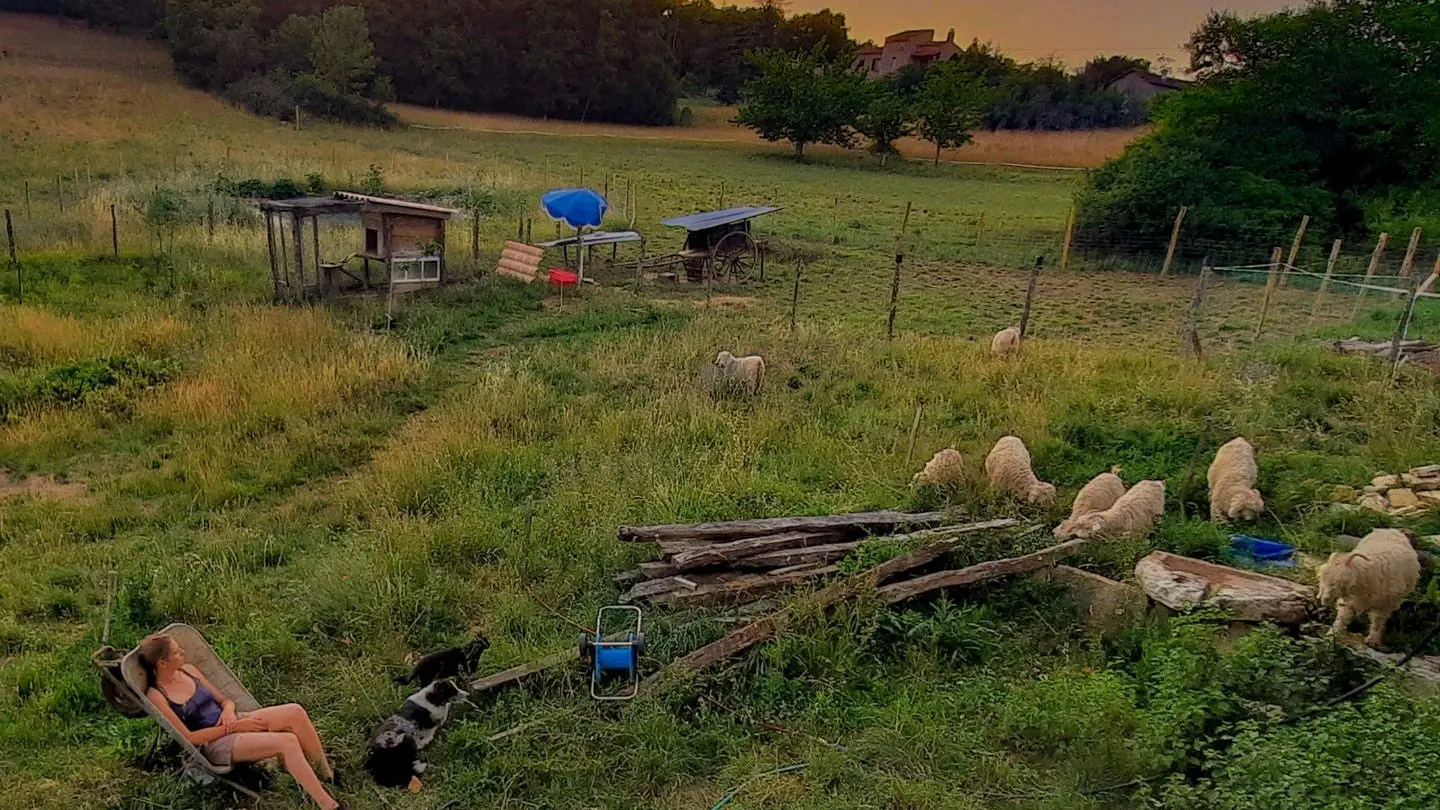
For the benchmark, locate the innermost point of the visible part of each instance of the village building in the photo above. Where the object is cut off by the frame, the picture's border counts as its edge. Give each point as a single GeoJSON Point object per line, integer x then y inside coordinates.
{"type": "Point", "coordinates": [906, 48]}
{"type": "Point", "coordinates": [1141, 85]}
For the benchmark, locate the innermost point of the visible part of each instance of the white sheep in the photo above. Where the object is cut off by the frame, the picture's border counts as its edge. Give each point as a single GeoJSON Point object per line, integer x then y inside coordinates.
{"type": "Point", "coordinates": [1131, 517]}
{"type": "Point", "coordinates": [947, 468]}
{"type": "Point", "coordinates": [1373, 579]}
{"type": "Point", "coordinates": [1008, 467]}
{"type": "Point", "coordinates": [1100, 494]}
{"type": "Point", "coordinates": [746, 372]}
{"type": "Point", "coordinates": [1006, 342]}
{"type": "Point", "coordinates": [1232, 484]}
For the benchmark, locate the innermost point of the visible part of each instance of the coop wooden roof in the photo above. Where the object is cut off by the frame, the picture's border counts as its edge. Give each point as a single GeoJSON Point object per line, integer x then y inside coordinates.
{"type": "Point", "coordinates": [398, 206]}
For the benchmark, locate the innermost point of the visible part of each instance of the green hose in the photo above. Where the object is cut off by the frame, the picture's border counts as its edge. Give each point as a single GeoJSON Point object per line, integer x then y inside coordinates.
{"type": "Point", "coordinates": [730, 797]}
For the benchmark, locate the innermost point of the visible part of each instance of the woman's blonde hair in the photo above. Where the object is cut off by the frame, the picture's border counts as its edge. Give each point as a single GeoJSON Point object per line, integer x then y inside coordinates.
{"type": "Point", "coordinates": [153, 648]}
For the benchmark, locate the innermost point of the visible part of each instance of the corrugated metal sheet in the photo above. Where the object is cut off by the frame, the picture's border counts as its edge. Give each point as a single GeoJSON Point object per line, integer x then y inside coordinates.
{"type": "Point", "coordinates": [716, 219]}
{"type": "Point", "coordinates": [597, 238]}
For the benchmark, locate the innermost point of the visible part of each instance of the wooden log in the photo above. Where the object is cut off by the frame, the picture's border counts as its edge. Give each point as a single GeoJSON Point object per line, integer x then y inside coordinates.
{"type": "Point", "coordinates": [520, 257]}
{"type": "Point", "coordinates": [728, 553]}
{"type": "Point", "coordinates": [656, 588]}
{"type": "Point", "coordinates": [1069, 239]}
{"type": "Point", "coordinates": [516, 675]}
{"type": "Point", "coordinates": [787, 557]}
{"type": "Point", "coordinates": [625, 579]}
{"type": "Point", "coordinates": [766, 628]}
{"type": "Point", "coordinates": [976, 574]}
{"type": "Point", "coordinates": [1370, 272]}
{"type": "Point", "coordinates": [1325, 282]}
{"type": "Point", "coordinates": [1295, 249]}
{"type": "Point", "coordinates": [856, 524]}
{"type": "Point", "coordinates": [745, 588]}
{"type": "Point", "coordinates": [1269, 291]}
{"type": "Point", "coordinates": [529, 250]}
{"type": "Point", "coordinates": [1174, 240]}
{"type": "Point", "coordinates": [1408, 265]}
{"type": "Point", "coordinates": [669, 548]}
{"type": "Point", "coordinates": [657, 570]}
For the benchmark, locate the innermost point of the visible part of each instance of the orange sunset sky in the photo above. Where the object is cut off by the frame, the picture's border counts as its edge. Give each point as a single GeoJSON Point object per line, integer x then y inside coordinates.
{"type": "Point", "coordinates": [1071, 30]}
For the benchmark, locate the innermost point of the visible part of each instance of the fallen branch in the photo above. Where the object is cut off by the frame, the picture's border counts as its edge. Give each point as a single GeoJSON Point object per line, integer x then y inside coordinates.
{"type": "Point", "coordinates": [853, 524]}
{"type": "Point", "coordinates": [764, 629]}
{"type": "Point", "coordinates": [983, 572]}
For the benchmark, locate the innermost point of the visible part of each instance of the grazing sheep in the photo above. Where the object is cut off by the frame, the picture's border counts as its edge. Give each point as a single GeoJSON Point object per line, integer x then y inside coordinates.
{"type": "Point", "coordinates": [947, 468]}
{"type": "Point", "coordinates": [1132, 517]}
{"type": "Point", "coordinates": [1232, 484]}
{"type": "Point", "coordinates": [1100, 494]}
{"type": "Point", "coordinates": [746, 372]}
{"type": "Point", "coordinates": [1008, 466]}
{"type": "Point", "coordinates": [1373, 579]}
{"type": "Point", "coordinates": [1006, 342]}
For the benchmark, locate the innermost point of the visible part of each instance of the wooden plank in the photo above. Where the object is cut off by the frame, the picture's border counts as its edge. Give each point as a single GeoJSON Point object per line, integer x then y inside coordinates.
{"type": "Point", "coordinates": [518, 267]}
{"type": "Point", "coordinates": [764, 629]}
{"type": "Point", "coordinates": [658, 570]}
{"type": "Point", "coordinates": [787, 557]}
{"type": "Point", "coordinates": [519, 674]}
{"type": "Point", "coordinates": [857, 523]}
{"type": "Point", "coordinates": [529, 250]}
{"type": "Point", "coordinates": [728, 553]}
{"type": "Point", "coordinates": [525, 277]}
{"type": "Point", "coordinates": [669, 548]}
{"type": "Point", "coordinates": [520, 258]}
{"type": "Point", "coordinates": [746, 588]}
{"type": "Point", "coordinates": [976, 574]}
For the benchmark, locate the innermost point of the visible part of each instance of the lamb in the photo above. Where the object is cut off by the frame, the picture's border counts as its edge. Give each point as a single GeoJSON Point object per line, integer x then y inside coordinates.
{"type": "Point", "coordinates": [747, 373]}
{"type": "Point", "coordinates": [1008, 467]}
{"type": "Point", "coordinates": [1232, 484]}
{"type": "Point", "coordinates": [947, 468]}
{"type": "Point", "coordinates": [1006, 342]}
{"type": "Point", "coordinates": [1373, 579]}
{"type": "Point", "coordinates": [1131, 517]}
{"type": "Point", "coordinates": [1100, 494]}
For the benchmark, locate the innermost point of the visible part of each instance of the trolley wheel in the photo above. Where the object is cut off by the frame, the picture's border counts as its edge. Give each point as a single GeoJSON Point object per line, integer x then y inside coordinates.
{"type": "Point", "coordinates": [587, 647]}
{"type": "Point", "coordinates": [639, 640]}
{"type": "Point", "coordinates": [735, 256]}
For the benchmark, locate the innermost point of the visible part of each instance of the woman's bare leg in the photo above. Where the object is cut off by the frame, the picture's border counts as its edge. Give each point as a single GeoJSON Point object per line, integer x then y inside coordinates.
{"type": "Point", "coordinates": [260, 745]}
{"type": "Point", "coordinates": [291, 717]}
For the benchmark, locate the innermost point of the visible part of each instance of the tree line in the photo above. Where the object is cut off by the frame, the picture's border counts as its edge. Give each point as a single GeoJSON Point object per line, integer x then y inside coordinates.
{"type": "Point", "coordinates": [809, 98]}
{"type": "Point", "coordinates": [625, 61]}
{"type": "Point", "coordinates": [1330, 111]}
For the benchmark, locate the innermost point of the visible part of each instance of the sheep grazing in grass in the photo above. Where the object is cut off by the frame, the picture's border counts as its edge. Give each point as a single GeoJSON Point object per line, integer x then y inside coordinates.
{"type": "Point", "coordinates": [1131, 517]}
{"type": "Point", "coordinates": [746, 373]}
{"type": "Point", "coordinates": [1373, 579]}
{"type": "Point", "coordinates": [1006, 342]}
{"type": "Point", "coordinates": [1100, 494]}
{"type": "Point", "coordinates": [1232, 484]}
{"type": "Point", "coordinates": [946, 469]}
{"type": "Point", "coordinates": [1008, 467]}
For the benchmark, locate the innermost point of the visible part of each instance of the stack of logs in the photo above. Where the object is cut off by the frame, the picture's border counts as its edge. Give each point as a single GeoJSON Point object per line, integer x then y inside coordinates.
{"type": "Point", "coordinates": [743, 561]}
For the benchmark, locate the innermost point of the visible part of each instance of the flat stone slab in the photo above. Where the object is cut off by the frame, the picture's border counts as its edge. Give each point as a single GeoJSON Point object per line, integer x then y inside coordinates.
{"type": "Point", "coordinates": [1425, 667]}
{"type": "Point", "coordinates": [1107, 606]}
{"type": "Point", "coordinates": [1183, 584]}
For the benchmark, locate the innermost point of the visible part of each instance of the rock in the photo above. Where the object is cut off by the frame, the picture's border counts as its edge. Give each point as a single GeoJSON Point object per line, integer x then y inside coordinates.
{"type": "Point", "coordinates": [1383, 481]}
{"type": "Point", "coordinates": [1375, 503]}
{"type": "Point", "coordinates": [1401, 498]}
{"type": "Point", "coordinates": [1408, 480]}
{"type": "Point", "coordinates": [1405, 511]}
{"type": "Point", "coordinates": [1430, 498]}
{"type": "Point", "coordinates": [1343, 494]}
{"type": "Point", "coordinates": [1428, 471]}
{"type": "Point", "coordinates": [1426, 484]}
{"type": "Point", "coordinates": [1181, 583]}
{"type": "Point", "coordinates": [1106, 606]}
{"type": "Point", "coordinates": [1374, 490]}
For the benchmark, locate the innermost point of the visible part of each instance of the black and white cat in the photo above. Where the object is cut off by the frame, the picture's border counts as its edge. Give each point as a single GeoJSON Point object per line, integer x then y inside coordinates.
{"type": "Point", "coordinates": [394, 753]}
{"type": "Point", "coordinates": [455, 662]}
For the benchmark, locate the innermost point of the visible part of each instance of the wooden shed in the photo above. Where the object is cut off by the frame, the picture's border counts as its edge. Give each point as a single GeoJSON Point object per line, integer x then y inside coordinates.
{"type": "Point", "coordinates": [406, 238]}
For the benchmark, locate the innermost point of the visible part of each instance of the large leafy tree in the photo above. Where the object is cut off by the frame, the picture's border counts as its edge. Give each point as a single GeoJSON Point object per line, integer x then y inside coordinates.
{"type": "Point", "coordinates": [1332, 111]}
{"type": "Point", "coordinates": [213, 42]}
{"type": "Point", "coordinates": [950, 106]}
{"type": "Point", "coordinates": [888, 116]}
{"type": "Point", "coordinates": [802, 99]}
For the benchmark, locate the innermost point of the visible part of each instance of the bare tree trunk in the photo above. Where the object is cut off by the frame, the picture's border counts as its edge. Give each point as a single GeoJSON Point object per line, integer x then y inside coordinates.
{"type": "Point", "coordinates": [937, 155]}
{"type": "Point", "coordinates": [799, 149]}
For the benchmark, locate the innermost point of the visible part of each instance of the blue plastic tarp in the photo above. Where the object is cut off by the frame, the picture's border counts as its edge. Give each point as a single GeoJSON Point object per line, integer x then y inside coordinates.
{"type": "Point", "coordinates": [717, 219]}
{"type": "Point", "coordinates": [1260, 552]}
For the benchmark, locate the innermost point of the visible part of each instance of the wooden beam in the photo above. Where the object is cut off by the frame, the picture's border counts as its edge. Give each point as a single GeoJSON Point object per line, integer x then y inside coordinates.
{"type": "Point", "coordinates": [976, 574]}
{"type": "Point", "coordinates": [274, 265]}
{"type": "Point", "coordinates": [745, 588]}
{"type": "Point", "coordinates": [787, 557]}
{"type": "Point", "coordinates": [858, 523]}
{"type": "Point", "coordinates": [1269, 291]}
{"type": "Point", "coordinates": [1069, 239]}
{"type": "Point", "coordinates": [516, 675]}
{"type": "Point", "coordinates": [1408, 266]}
{"type": "Point", "coordinates": [1174, 240]}
{"type": "Point", "coordinates": [726, 553]}
{"type": "Point", "coordinates": [299, 231]}
{"type": "Point", "coordinates": [1325, 282]}
{"type": "Point", "coordinates": [762, 630]}
{"type": "Point", "coordinates": [1030, 296]}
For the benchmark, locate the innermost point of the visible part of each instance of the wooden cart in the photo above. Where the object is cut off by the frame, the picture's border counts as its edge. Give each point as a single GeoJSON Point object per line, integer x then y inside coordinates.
{"type": "Point", "coordinates": [718, 245]}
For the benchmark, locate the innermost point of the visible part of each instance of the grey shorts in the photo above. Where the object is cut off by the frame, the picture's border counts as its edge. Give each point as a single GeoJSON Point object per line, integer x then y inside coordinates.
{"type": "Point", "coordinates": [220, 753]}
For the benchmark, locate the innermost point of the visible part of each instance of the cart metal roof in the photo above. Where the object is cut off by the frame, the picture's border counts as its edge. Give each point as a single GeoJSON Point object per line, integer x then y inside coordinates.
{"type": "Point", "coordinates": [719, 219]}
{"type": "Point", "coordinates": [596, 238]}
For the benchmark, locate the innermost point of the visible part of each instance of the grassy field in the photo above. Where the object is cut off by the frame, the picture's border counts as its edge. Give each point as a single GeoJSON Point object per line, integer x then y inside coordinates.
{"type": "Point", "coordinates": [325, 492]}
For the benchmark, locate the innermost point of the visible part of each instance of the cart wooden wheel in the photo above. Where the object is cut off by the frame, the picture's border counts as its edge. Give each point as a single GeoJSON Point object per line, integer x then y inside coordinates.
{"type": "Point", "coordinates": [735, 257]}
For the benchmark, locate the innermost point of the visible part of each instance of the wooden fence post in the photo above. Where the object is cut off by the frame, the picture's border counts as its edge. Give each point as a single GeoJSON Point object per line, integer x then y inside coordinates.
{"type": "Point", "coordinates": [28, 214]}
{"type": "Point", "coordinates": [1295, 250]}
{"type": "Point", "coordinates": [1325, 282]}
{"type": "Point", "coordinates": [19, 274]}
{"type": "Point", "coordinates": [1275, 257]}
{"type": "Point", "coordinates": [1408, 266]}
{"type": "Point", "coordinates": [1069, 239]}
{"type": "Point", "coordinates": [979, 232]}
{"type": "Point", "coordinates": [1030, 295]}
{"type": "Point", "coordinates": [1192, 346]}
{"type": "Point", "coordinates": [895, 279]}
{"type": "Point", "coordinates": [914, 431]}
{"type": "Point", "coordinates": [1434, 276]}
{"type": "Point", "coordinates": [1174, 240]}
{"type": "Point", "coordinates": [475, 234]}
{"type": "Point", "coordinates": [795, 294]}
{"type": "Point", "coordinates": [1402, 330]}
{"type": "Point", "coordinates": [59, 194]}
{"type": "Point", "coordinates": [210, 218]}
{"type": "Point", "coordinates": [115, 233]}
{"type": "Point", "coordinates": [1370, 273]}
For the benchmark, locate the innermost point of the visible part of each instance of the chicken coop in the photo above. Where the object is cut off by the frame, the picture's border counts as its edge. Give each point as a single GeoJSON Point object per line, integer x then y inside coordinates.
{"type": "Point", "coordinates": [399, 245]}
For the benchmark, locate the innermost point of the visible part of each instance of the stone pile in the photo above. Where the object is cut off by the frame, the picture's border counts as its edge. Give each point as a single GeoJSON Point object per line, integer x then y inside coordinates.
{"type": "Point", "coordinates": [1405, 494]}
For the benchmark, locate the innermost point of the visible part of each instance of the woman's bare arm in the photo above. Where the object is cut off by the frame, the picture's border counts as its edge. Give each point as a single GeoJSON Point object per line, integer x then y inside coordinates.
{"type": "Point", "coordinates": [204, 735]}
{"type": "Point", "coordinates": [225, 702]}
